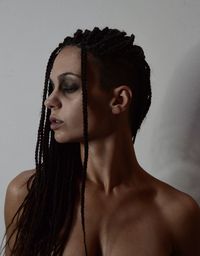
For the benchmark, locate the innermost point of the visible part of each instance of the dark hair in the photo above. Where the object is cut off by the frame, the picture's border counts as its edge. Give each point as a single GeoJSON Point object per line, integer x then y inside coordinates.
{"type": "Point", "coordinates": [52, 190]}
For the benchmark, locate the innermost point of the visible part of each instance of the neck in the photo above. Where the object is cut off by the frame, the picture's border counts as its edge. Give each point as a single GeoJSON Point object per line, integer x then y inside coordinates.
{"type": "Point", "coordinates": [111, 161]}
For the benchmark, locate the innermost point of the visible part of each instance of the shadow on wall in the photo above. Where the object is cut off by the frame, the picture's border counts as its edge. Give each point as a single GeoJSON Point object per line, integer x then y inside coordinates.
{"type": "Point", "coordinates": [176, 152]}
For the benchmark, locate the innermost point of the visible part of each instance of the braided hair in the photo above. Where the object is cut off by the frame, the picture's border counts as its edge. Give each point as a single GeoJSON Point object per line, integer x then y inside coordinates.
{"type": "Point", "coordinates": [53, 188]}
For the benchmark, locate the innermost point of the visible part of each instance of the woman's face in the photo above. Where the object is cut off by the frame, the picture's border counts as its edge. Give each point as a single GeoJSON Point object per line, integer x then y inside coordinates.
{"type": "Point", "coordinates": [65, 100]}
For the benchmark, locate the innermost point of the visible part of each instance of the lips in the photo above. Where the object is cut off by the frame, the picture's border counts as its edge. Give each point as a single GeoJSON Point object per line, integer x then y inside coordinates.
{"type": "Point", "coordinates": [55, 123]}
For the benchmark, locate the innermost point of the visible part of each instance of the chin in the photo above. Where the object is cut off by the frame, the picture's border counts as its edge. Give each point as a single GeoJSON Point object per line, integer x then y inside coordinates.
{"type": "Point", "coordinates": [61, 139]}
{"type": "Point", "coordinates": [66, 139]}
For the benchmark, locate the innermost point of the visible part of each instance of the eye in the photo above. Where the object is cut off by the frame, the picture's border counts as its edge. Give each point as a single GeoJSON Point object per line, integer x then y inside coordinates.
{"type": "Point", "coordinates": [69, 88]}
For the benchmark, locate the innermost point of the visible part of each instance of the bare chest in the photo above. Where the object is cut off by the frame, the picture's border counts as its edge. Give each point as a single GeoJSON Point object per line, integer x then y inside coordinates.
{"type": "Point", "coordinates": [123, 229]}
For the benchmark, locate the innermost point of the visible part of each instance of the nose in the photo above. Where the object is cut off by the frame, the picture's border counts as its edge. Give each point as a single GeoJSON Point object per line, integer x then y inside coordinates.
{"type": "Point", "coordinates": [52, 102]}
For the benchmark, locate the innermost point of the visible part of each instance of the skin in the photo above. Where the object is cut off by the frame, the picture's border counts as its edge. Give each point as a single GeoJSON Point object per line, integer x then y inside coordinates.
{"type": "Point", "coordinates": [127, 211]}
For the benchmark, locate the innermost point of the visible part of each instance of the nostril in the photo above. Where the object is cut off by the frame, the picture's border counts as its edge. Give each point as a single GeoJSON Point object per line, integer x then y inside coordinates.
{"type": "Point", "coordinates": [52, 103]}
{"type": "Point", "coordinates": [46, 103]}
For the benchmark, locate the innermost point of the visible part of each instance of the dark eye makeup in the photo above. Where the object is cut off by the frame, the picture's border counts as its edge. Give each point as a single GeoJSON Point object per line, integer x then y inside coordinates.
{"type": "Point", "coordinates": [69, 87]}
{"type": "Point", "coordinates": [65, 86]}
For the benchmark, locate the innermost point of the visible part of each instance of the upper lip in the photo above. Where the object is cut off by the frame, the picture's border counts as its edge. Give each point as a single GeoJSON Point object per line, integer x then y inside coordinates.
{"type": "Point", "coordinates": [54, 119]}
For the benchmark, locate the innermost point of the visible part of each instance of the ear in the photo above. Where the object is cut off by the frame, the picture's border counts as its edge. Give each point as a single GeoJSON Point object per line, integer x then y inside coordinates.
{"type": "Point", "coordinates": [122, 96]}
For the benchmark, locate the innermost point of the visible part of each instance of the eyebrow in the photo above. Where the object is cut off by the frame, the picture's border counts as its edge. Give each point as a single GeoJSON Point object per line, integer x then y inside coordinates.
{"type": "Point", "coordinates": [65, 74]}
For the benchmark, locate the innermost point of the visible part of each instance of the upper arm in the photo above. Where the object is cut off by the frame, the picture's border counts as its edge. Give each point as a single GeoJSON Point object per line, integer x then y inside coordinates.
{"type": "Point", "coordinates": [186, 227]}
{"type": "Point", "coordinates": [15, 194]}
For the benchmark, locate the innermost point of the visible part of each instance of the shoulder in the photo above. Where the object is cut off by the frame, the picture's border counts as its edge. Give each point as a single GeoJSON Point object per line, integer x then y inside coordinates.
{"type": "Point", "coordinates": [20, 180]}
{"type": "Point", "coordinates": [175, 205]}
{"type": "Point", "coordinates": [16, 192]}
{"type": "Point", "coordinates": [15, 195]}
{"type": "Point", "coordinates": [17, 187]}
{"type": "Point", "coordinates": [182, 217]}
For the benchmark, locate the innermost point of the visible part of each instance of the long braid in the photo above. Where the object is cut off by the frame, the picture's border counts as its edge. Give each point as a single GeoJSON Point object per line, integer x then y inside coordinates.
{"type": "Point", "coordinates": [38, 151]}
{"type": "Point", "coordinates": [85, 132]}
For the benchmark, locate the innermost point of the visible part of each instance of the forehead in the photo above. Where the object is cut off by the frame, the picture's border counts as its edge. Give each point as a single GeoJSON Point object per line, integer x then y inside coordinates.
{"type": "Point", "coordinates": [68, 60]}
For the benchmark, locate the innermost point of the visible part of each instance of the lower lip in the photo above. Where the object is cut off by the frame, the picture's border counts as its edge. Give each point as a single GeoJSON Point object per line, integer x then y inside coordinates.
{"type": "Point", "coordinates": [55, 126]}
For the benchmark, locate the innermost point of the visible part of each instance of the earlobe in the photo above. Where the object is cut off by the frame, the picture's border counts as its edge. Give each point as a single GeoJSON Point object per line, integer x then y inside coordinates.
{"type": "Point", "coordinates": [116, 109]}
{"type": "Point", "coordinates": [121, 100]}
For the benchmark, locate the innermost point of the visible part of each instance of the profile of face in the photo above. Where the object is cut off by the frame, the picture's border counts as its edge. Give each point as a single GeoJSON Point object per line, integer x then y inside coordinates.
{"type": "Point", "coordinates": [65, 101]}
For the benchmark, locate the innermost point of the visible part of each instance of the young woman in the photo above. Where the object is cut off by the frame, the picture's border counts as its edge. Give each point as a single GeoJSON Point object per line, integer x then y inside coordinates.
{"type": "Point", "coordinates": [88, 195]}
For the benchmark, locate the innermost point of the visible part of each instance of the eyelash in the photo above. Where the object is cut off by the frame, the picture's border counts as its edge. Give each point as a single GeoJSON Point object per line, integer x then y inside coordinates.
{"type": "Point", "coordinates": [65, 88]}
{"type": "Point", "coordinates": [70, 89]}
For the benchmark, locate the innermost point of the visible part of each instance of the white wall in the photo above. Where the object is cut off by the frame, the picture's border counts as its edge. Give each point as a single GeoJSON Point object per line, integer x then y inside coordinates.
{"type": "Point", "coordinates": [168, 145]}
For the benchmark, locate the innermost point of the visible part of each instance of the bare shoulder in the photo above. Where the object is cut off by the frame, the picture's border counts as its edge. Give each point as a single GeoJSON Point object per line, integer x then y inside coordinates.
{"type": "Point", "coordinates": [16, 192]}
{"type": "Point", "coordinates": [168, 196]}
{"type": "Point", "coordinates": [182, 216]}
{"type": "Point", "coordinates": [15, 195]}
{"type": "Point", "coordinates": [17, 186]}
{"type": "Point", "coordinates": [174, 204]}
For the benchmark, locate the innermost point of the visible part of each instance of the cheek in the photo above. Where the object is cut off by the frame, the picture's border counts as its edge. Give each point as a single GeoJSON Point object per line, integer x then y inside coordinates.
{"type": "Point", "coordinates": [100, 118]}
{"type": "Point", "coordinates": [72, 130]}
{"type": "Point", "coordinates": [74, 116]}
{"type": "Point", "coordinates": [100, 121]}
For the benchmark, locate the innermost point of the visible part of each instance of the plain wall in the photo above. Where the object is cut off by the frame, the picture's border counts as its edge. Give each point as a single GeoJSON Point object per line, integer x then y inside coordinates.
{"type": "Point", "coordinates": [168, 144]}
